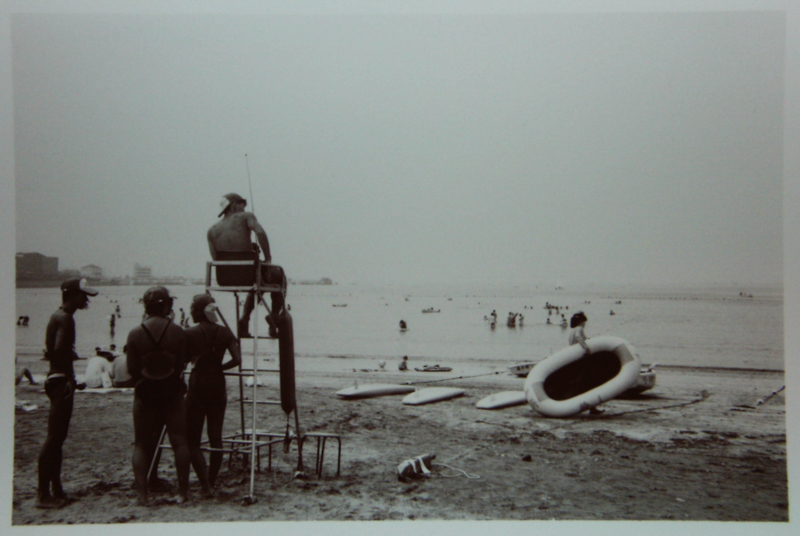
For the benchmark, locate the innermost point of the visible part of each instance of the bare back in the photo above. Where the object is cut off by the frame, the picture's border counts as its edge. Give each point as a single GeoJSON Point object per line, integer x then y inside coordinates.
{"type": "Point", "coordinates": [232, 233]}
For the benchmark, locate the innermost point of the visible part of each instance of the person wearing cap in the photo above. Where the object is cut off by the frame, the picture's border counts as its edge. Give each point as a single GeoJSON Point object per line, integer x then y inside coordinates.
{"type": "Point", "coordinates": [230, 239]}
{"type": "Point", "coordinates": [60, 387]}
{"type": "Point", "coordinates": [206, 343]}
{"type": "Point", "coordinates": [156, 358]}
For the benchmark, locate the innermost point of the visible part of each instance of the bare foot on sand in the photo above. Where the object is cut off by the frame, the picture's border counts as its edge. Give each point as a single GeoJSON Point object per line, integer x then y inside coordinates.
{"type": "Point", "coordinates": [49, 502]}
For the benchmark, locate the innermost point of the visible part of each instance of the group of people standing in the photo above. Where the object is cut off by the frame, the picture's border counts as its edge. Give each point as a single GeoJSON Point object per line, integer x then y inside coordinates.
{"type": "Point", "coordinates": [157, 354]}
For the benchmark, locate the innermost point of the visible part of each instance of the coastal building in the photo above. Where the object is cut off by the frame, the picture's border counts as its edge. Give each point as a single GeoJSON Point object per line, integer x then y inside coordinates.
{"type": "Point", "coordinates": [142, 275]}
{"type": "Point", "coordinates": [36, 266]}
{"type": "Point", "coordinates": [92, 271]}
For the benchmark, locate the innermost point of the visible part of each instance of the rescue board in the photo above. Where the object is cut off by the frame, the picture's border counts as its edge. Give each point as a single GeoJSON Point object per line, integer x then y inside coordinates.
{"type": "Point", "coordinates": [503, 399]}
{"type": "Point", "coordinates": [370, 390]}
{"type": "Point", "coordinates": [570, 381]}
{"type": "Point", "coordinates": [432, 394]}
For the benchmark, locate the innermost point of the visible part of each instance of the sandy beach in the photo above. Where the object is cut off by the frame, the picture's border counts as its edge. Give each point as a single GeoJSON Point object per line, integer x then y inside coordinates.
{"type": "Point", "coordinates": [696, 447]}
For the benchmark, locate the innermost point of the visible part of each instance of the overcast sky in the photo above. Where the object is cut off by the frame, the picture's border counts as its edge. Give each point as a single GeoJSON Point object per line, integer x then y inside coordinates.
{"type": "Point", "coordinates": [552, 148]}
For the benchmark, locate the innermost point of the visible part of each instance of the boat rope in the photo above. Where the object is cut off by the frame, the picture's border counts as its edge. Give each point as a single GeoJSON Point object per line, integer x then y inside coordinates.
{"type": "Point", "coordinates": [466, 474]}
{"type": "Point", "coordinates": [456, 378]}
{"type": "Point", "coordinates": [702, 397]}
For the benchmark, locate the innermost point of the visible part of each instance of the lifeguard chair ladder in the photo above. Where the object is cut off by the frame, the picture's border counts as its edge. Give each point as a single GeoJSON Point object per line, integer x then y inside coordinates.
{"type": "Point", "coordinates": [247, 270]}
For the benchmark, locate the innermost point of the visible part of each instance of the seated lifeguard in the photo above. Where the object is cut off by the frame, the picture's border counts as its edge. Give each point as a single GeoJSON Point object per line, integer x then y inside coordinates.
{"type": "Point", "coordinates": [230, 239]}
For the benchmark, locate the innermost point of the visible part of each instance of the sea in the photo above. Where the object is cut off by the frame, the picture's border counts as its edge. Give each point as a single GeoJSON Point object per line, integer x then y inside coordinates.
{"type": "Point", "coordinates": [356, 326]}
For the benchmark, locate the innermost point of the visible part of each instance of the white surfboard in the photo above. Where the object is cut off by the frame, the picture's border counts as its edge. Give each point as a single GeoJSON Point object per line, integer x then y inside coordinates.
{"type": "Point", "coordinates": [503, 399]}
{"type": "Point", "coordinates": [370, 390]}
{"type": "Point", "coordinates": [432, 394]}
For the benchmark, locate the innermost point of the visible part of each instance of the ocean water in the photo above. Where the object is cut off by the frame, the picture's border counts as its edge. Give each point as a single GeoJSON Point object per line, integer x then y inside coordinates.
{"type": "Point", "coordinates": [707, 327]}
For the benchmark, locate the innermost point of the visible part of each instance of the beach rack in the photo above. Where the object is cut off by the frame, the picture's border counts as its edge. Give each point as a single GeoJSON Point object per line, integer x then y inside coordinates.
{"type": "Point", "coordinates": [242, 276]}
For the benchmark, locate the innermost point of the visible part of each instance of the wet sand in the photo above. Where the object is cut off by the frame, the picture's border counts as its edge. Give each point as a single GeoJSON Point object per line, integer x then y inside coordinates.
{"type": "Point", "coordinates": [689, 449]}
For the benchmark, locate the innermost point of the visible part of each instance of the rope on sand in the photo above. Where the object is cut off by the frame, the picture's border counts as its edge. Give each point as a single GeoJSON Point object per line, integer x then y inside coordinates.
{"type": "Point", "coordinates": [456, 378]}
{"type": "Point", "coordinates": [703, 396]}
{"type": "Point", "coordinates": [466, 474]}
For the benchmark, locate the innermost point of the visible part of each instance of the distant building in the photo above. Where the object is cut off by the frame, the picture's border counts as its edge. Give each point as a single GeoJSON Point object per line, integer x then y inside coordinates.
{"type": "Point", "coordinates": [92, 271]}
{"type": "Point", "coordinates": [36, 266]}
{"type": "Point", "coordinates": [142, 275]}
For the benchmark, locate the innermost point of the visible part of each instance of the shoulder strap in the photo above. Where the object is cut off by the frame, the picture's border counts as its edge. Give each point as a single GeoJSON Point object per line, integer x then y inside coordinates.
{"type": "Point", "coordinates": [157, 343]}
{"type": "Point", "coordinates": [208, 339]}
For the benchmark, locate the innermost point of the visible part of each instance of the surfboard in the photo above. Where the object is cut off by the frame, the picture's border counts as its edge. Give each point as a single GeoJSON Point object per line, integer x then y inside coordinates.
{"type": "Point", "coordinates": [432, 394]}
{"type": "Point", "coordinates": [370, 390]}
{"type": "Point", "coordinates": [503, 399]}
{"type": "Point", "coordinates": [570, 381]}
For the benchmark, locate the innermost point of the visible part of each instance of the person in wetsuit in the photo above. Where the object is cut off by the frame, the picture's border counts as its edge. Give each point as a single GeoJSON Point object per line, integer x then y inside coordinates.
{"type": "Point", "coordinates": [60, 387]}
{"type": "Point", "coordinates": [156, 358]}
{"type": "Point", "coordinates": [206, 342]}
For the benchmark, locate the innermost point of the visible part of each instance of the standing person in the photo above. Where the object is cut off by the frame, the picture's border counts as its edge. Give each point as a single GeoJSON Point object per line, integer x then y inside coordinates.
{"type": "Point", "coordinates": [60, 387]}
{"type": "Point", "coordinates": [156, 358]}
{"type": "Point", "coordinates": [577, 336]}
{"type": "Point", "coordinates": [206, 344]}
{"type": "Point", "coordinates": [229, 239]}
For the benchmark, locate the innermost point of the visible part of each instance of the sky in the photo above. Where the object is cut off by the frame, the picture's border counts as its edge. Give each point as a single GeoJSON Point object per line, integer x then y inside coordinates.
{"type": "Point", "coordinates": [408, 147]}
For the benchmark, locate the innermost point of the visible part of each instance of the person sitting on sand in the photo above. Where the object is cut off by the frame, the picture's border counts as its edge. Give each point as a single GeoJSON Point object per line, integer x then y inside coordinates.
{"type": "Point", "coordinates": [229, 239]}
{"type": "Point", "coordinates": [99, 371]}
{"type": "Point", "coordinates": [23, 372]}
{"type": "Point", "coordinates": [403, 364]}
{"type": "Point", "coordinates": [156, 358]}
{"type": "Point", "coordinates": [206, 344]}
{"type": "Point", "coordinates": [121, 377]}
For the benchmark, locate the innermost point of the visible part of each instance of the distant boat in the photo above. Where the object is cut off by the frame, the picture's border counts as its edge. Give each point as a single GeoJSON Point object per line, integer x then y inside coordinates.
{"type": "Point", "coordinates": [431, 310]}
{"type": "Point", "coordinates": [521, 369]}
{"type": "Point", "coordinates": [433, 368]}
{"type": "Point", "coordinates": [340, 305]}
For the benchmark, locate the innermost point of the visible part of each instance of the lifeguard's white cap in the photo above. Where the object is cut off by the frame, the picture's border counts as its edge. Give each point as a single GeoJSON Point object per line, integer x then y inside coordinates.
{"type": "Point", "coordinates": [211, 312]}
{"type": "Point", "coordinates": [73, 285]}
{"type": "Point", "coordinates": [227, 200]}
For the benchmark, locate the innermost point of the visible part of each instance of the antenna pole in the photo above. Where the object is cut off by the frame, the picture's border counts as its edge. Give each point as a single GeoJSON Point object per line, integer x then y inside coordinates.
{"type": "Point", "coordinates": [250, 184]}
